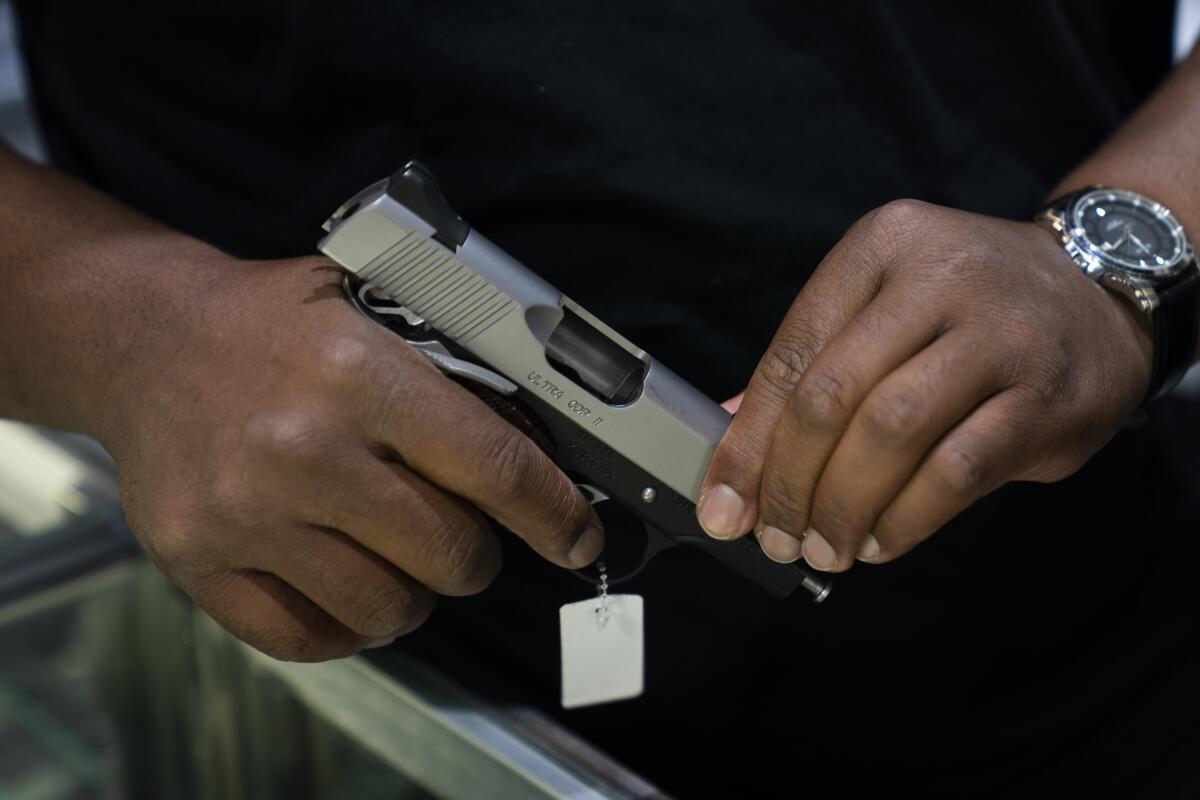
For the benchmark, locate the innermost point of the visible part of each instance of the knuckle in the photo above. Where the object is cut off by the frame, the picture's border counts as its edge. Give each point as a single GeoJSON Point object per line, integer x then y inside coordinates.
{"type": "Point", "coordinates": [468, 561]}
{"type": "Point", "coordinates": [510, 462]}
{"type": "Point", "coordinates": [383, 609]}
{"type": "Point", "coordinates": [783, 503]}
{"type": "Point", "coordinates": [833, 518]}
{"type": "Point", "coordinates": [953, 263]}
{"type": "Point", "coordinates": [180, 548]}
{"type": "Point", "coordinates": [170, 545]}
{"type": "Point", "coordinates": [1057, 466]}
{"type": "Point", "coordinates": [166, 527]}
{"type": "Point", "coordinates": [571, 514]}
{"type": "Point", "coordinates": [962, 470]}
{"type": "Point", "coordinates": [785, 363]}
{"type": "Point", "coordinates": [1023, 328]}
{"type": "Point", "coordinates": [295, 645]}
{"type": "Point", "coordinates": [389, 404]}
{"type": "Point", "coordinates": [823, 398]}
{"type": "Point", "coordinates": [893, 417]}
{"type": "Point", "coordinates": [232, 496]}
{"type": "Point", "coordinates": [1049, 383]}
{"type": "Point", "coordinates": [343, 358]}
{"type": "Point", "coordinates": [395, 389]}
{"type": "Point", "coordinates": [991, 255]}
{"type": "Point", "coordinates": [295, 434]}
{"type": "Point", "coordinates": [896, 218]}
{"type": "Point", "coordinates": [739, 456]}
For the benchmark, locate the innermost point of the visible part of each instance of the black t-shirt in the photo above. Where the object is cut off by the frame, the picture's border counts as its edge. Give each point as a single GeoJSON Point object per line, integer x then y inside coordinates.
{"type": "Point", "coordinates": [679, 169]}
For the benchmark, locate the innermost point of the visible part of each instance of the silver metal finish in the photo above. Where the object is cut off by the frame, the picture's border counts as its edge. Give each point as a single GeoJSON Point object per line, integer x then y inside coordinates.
{"type": "Point", "coordinates": [479, 289]}
{"type": "Point", "coordinates": [818, 590]}
{"type": "Point", "coordinates": [365, 297]}
{"type": "Point", "coordinates": [649, 495]}
{"type": "Point", "coordinates": [441, 358]}
{"type": "Point", "coordinates": [1133, 281]}
{"type": "Point", "coordinates": [433, 350]}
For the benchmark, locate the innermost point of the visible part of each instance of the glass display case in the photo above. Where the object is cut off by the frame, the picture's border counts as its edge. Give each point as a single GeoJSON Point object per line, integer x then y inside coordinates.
{"type": "Point", "coordinates": [113, 685]}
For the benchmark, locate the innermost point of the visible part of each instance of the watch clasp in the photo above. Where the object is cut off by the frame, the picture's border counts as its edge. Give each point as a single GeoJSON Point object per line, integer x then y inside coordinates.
{"type": "Point", "coordinates": [1139, 292]}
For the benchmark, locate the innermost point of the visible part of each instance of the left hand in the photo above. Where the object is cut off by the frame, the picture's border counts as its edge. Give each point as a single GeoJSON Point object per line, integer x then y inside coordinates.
{"type": "Point", "coordinates": [934, 356]}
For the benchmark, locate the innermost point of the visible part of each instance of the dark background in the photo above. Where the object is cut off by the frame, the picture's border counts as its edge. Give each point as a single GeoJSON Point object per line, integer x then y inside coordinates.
{"type": "Point", "coordinates": [680, 169]}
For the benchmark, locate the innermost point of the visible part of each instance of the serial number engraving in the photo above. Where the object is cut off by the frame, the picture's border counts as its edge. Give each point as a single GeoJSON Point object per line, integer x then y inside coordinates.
{"type": "Point", "coordinates": [599, 449]}
{"type": "Point", "coordinates": [681, 503]}
{"type": "Point", "coordinates": [590, 461]}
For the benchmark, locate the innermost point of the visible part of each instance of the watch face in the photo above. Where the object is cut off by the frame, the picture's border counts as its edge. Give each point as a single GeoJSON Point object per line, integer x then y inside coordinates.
{"type": "Point", "coordinates": [1130, 232]}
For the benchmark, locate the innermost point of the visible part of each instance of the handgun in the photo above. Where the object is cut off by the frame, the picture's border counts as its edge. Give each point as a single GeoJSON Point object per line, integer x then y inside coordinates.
{"type": "Point", "coordinates": [633, 436]}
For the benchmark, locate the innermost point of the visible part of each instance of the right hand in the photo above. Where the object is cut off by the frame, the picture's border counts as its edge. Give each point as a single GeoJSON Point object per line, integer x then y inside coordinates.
{"type": "Point", "coordinates": [308, 478]}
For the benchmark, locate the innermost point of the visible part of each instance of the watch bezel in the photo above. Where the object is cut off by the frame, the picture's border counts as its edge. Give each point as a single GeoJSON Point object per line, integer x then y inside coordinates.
{"type": "Point", "coordinates": [1100, 261]}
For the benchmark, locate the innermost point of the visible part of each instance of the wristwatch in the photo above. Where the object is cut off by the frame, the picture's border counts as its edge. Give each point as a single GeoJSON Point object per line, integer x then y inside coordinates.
{"type": "Point", "coordinates": [1135, 247]}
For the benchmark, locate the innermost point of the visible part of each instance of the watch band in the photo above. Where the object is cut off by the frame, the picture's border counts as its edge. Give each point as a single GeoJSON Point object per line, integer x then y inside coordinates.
{"type": "Point", "coordinates": [1176, 333]}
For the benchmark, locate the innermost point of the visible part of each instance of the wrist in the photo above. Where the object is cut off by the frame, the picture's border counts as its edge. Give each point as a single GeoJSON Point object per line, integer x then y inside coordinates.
{"type": "Point", "coordinates": [92, 292]}
{"type": "Point", "coordinates": [160, 313]}
{"type": "Point", "coordinates": [1131, 342]}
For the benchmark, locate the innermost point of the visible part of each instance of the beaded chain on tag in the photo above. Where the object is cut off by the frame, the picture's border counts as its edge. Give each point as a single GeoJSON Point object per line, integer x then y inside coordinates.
{"type": "Point", "coordinates": [602, 609]}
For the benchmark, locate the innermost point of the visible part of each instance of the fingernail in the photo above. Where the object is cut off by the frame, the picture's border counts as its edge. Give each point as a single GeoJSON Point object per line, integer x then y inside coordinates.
{"type": "Point", "coordinates": [378, 643]}
{"type": "Point", "coordinates": [778, 545]}
{"type": "Point", "coordinates": [587, 548]}
{"type": "Point", "coordinates": [818, 552]}
{"type": "Point", "coordinates": [869, 550]}
{"type": "Point", "coordinates": [720, 512]}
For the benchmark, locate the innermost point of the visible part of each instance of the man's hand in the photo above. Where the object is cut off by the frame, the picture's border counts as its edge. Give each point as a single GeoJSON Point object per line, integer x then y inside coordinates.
{"type": "Point", "coordinates": [934, 356]}
{"type": "Point", "coordinates": [309, 479]}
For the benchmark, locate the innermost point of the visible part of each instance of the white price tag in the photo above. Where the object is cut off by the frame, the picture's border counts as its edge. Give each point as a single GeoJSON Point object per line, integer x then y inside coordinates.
{"type": "Point", "coordinates": [602, 658]}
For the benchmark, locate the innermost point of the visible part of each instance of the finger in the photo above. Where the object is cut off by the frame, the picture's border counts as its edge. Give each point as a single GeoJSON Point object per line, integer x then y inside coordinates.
{"type": "Point", "coordinates": [893, 429]}
{"type": "Point", "coordinates": [846, 280]}
{"type": "Point", "coordinates": [269, 615]}
{"type": "Point", "coordinates": [357, 588]}
{"type": "Point", "coordinates": [452, 439]}
{"type": "Point", "coordinates": [981, 454]}
{"type": "Point", "coordinates": [734, 403]}
{"type": "Point", "coordinates": [881, 338]}
{"type": "Point", "coordinates": [439, 540]}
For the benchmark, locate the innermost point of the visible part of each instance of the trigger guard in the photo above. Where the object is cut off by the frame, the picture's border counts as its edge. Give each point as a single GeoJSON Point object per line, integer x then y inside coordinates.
{"type": "Point", "coordinates": [656, 542]}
